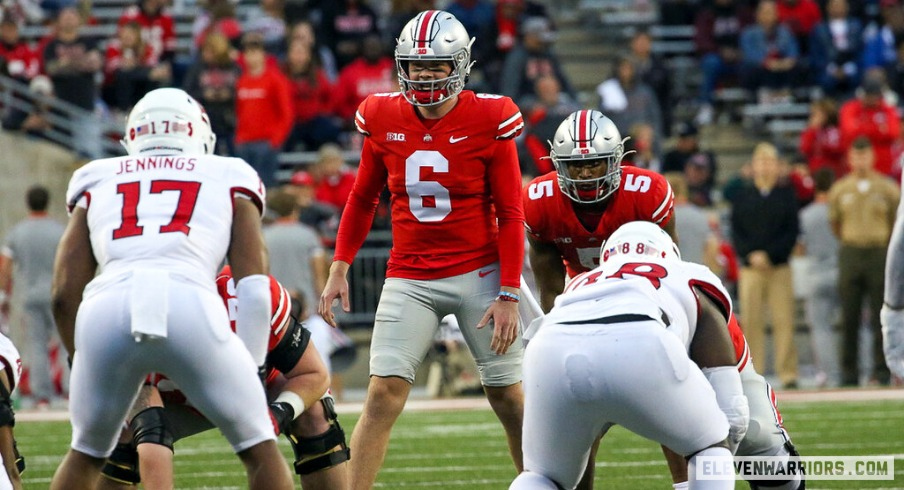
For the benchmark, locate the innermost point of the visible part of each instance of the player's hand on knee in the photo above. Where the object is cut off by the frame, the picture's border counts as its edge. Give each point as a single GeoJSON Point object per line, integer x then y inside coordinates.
{"type": "Point", "coordinates": [504, 315]}
{"type": "Point", "coordinates": [893, 339]}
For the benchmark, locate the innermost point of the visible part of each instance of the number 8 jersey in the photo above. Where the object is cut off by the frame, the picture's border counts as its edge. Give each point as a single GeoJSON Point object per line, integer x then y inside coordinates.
{"type": "Point", "coordinates": [171, 213]}
{"type": "Point", "coordinates": [550, 217]}
{"type": "Point", "coordinates": [450, 180]}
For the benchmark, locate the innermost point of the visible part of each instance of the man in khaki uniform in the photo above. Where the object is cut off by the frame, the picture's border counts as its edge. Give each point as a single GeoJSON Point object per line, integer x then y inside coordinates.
{"type": "Point", "coordinates": [862, 211]}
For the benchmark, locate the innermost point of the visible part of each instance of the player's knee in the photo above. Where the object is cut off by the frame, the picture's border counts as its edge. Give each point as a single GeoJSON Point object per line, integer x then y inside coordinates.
{"type": "Point", "coordinates": [321, 450]}
{"type": "Point", "coordinates": [528, 480]}
{"type": "Point", "coordinates": [122, 465]}
{"type": "Point", "coordinates": [150, 427]}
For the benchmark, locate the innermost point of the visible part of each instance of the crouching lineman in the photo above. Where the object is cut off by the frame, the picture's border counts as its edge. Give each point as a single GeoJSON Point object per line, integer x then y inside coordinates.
{"type": "Point", "coordinates": [296, 380]}
{"type": "Point", "coordinates": [640, 341]}
{"type": "Point", "coordinates": [13, 463]}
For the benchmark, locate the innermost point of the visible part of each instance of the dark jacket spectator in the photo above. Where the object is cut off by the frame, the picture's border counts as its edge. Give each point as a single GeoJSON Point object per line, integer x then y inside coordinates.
{"type": "Point", "coordinates": [879, 49]}
{"type": "Point", "coordinates": [344, 26]}
{"type": "Point", "coordinates": [698, 166]}
{"type": "Point", "coordinates": [72, 60]}
{"type": "Point", "coordinates": [212, 80]}
{"type": "Point", "coordinates": [502, 36]}
{"type": "Point", "coordinates": [129, 69]}
{"type": "Point", "coordinates": [717, 34]}
{"type": "Point", "coordinates": [532, 59]}
{"type": "Point", "coordinates": [628, 101]}
{"type": "Point", "coordinates": [835, 47]}
{"type": "Point", "coordinates": [653, 70]}
{"type": "Point", "coordinates": [475, 15]}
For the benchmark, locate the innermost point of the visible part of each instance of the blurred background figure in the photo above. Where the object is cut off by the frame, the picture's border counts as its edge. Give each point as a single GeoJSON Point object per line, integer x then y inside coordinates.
{"type": "Point", "coordinates": [835, 47]}
{"type": "Point", "coordinates": [531, 59]}
{"type": "Point", "coordinates": [314, 122]}
{"type": "Point", "coordinates": [627, 100]}
{"type": "Point", "coordinates": [820, 247]}
{"type": "Point", "coordinates": [26, 269]}
{"type": "Point", "coordinates": [212, 80]}
{"type": "Point", "coordinates": [821, 142]}
{"type": "Point", "coordinates": [334, 178]}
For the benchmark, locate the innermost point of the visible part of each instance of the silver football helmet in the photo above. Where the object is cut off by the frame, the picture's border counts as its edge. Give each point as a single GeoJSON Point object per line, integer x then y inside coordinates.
{"type": "Point", "coordinates": [433, 35]}
{"type": "Point", "coordinates": [587, 138]}
{"type": "Point", "coordinates": [637, 240]}
{"type": "Point", "coordinates": [166, 121]}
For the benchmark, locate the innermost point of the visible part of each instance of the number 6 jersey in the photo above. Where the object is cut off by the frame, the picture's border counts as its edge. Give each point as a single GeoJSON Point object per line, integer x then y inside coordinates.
{"type": "Point", "coordinates": [550, 217]}
{"type": "Point", "coordinates": [450, 180]}
{"type": "Point", "coordinates": [169, 213]}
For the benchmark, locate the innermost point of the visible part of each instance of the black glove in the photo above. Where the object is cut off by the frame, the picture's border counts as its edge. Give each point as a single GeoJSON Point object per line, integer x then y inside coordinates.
{"type": "Point", "coordinates": [283, 415]}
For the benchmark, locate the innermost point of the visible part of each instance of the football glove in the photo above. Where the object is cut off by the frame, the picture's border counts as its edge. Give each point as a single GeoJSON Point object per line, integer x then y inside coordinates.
{"type": "Point", "coordinates": [730, 395]}
{"type": "Point", "coordinates": [893, 339]}
{"type": "Point", "coordinates": [283, 414]}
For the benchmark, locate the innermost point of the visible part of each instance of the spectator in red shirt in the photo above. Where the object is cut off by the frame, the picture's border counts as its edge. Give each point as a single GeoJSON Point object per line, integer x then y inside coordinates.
{"type": "Point", "coordinates": [217, 16]}
{"type": "Point", "coordinates": [17, 58]}
{"type": "Point", "coordinates": [263, 110]}
{"type": "Point", "coordinates": [157, 28]}
{"type": "Point", "coordinates": [315, 124]}
{"type": "Point", "coordinates": [821, 142]}
{"type": "Point", "coordinates": [801, 16]}
{"type": "Point", "coordinates": [870, 116]}
{"type": "Point", "coordinates": [129, 70]}
{"type": "Point", "coordinates": [334, 179]}
{"type": "Point", "coordinates": [373, 72]}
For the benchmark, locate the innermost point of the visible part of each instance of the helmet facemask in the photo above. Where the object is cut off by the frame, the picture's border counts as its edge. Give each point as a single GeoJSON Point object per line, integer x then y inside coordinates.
{"type": "Point", "coordinates": [590, 190]}
{"type": "Point", "coordinates": [433, 36]}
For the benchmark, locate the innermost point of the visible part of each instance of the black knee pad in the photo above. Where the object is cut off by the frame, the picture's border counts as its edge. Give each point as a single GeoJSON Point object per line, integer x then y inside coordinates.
{"type": "Point", "coordinates": [317, 453]}
{"type": "Point", "coordinates": [122, 465]}
{"type": "Point", "coordinates": [150, 427]}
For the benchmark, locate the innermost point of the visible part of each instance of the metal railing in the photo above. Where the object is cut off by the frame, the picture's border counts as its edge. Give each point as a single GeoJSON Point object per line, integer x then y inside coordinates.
{"type": "Point", "coordinates": [66, 120]}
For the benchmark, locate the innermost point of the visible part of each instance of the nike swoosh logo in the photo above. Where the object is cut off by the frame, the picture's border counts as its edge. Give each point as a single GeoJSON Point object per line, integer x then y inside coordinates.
{"type": "Point", "coordinates": [484, 273]}
{"type": "Point", "coordinates": [453, 139]}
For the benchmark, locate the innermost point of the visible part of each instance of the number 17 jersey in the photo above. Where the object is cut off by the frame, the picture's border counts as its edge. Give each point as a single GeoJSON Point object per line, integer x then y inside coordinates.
{"type": "Point", "coordinates": [449, 180]}
{"type": "Point", "coordinates": [170, 213]}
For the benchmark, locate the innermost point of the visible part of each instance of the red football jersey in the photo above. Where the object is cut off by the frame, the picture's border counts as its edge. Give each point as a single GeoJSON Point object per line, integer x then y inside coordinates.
{"type": "Point", "coordinates": [643, 195]}
{"type": "Point", "coordinates": [451, 180]}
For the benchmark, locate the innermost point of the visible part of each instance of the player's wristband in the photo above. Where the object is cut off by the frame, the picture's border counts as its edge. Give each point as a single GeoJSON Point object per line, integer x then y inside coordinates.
{"type": "Point", "coordinates": [507, 296]}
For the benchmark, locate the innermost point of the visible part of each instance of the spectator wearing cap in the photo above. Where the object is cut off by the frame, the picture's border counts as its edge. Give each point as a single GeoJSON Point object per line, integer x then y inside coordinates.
{"type": "Point", "coordinates": [530, 60]}
{"type": "Point", "coordinates": [627, 100]}
{"type": "Point", "coordinates": [320, 216]}
{"type": "Point", "coordinates": [697, 165]}
{"type": "Point", "coordinates": [821, 142]}
{"type": "Point", "coordinates": [263, 109]}
{"type": "Point", "coordinates": [835, 48]}
{"type": "Point", "coordinates": [869, 115]}
{"type": "Point", "coordinates": [862, 209]}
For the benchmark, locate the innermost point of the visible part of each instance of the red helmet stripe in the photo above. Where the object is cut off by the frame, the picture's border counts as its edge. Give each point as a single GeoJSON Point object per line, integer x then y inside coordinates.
{"type": "Point", "coordinates": [583, 129]}
{"type": "Point", "coordinates": [423, 29]}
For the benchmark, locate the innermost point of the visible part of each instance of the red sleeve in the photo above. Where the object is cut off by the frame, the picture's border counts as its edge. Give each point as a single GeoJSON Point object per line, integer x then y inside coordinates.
{"type": "Point", "coordinates": [892, 129]}
{"type": "Point", "coordinates": [362, 203]}
{"type": "Point", "coordinates": [505, 186]}
{"type": "Point", "coordinates": [807, 140]}
{"type": "Point", "coordinates": [663, 202]}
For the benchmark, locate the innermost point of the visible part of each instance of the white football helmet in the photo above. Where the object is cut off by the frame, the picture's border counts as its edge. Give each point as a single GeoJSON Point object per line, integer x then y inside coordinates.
{"type": "Point", "coordinates": [433, 35]}
{"type": "Point", "coordinates": [637, 240]}
{"type": "Point", "coordinates": [167, 121]}
{"type": "Point", "coordinates": [588, 137]}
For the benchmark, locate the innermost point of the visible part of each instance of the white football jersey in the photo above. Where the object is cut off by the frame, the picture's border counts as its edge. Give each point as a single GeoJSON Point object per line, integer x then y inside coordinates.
{"type": "Point", "coordinates": [660, 289]}
{"type": "Point", "coordinates": [166, 213]}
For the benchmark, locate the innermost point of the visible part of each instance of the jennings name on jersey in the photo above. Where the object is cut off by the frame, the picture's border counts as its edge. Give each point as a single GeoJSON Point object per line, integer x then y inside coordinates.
{"type": "Point", "coordinates": [169, 213]}
{"type": "Point", "coordinates": [441, 174]}
{"type": "Point", "coordinates": [550, 217]}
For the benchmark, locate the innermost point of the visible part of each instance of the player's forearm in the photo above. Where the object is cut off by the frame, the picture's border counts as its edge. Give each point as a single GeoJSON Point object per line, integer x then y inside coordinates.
{"type": "Point", "coordinates": [310, 386]}
{"type": "Point", "coordinates": [511, 252]}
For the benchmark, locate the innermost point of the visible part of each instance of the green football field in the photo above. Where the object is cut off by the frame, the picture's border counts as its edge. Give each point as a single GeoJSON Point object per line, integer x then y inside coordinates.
{"type": "Point", "coordinates": [464, 448]}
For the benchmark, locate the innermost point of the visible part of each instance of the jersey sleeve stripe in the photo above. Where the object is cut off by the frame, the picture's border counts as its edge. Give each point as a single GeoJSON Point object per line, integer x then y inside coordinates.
{"type": "Point", "coordinates": [360, 124]}
{"type": "Point", "coordinates": [249, 195]}
{"type": "Point", "coordinates": [662, 211]}
{"type": "Point", "coordinates": [510, 127]}
{"type": "Point", "coordinates": [282, 313]}
{"type": "Point", "coordinates": [510, 120]}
